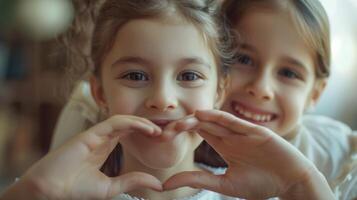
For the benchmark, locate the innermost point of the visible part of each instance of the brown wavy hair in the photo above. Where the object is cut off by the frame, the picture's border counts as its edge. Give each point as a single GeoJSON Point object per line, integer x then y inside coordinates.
{"type": "Point", "coordinates": [77, 41]}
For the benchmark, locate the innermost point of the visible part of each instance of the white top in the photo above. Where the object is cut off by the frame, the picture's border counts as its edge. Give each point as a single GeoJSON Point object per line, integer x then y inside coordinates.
{"type": "Point", "coordinates": [332, 147]}
{"type": "Point", "coordinates": [202, 195]}
{"type": "Point", "coordinates": [328, 143]}
{"type": "Point", "coordinates": [79, 114]}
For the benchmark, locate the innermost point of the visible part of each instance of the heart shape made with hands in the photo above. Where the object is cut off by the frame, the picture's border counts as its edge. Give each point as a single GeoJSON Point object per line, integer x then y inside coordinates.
{"type": "Point", "coordinates": [186, 125]}
{"type": "Point", "coordinates": [251, 152]}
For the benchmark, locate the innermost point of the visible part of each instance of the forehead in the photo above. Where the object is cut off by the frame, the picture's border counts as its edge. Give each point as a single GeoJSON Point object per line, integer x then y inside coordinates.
{"type": "Point", "coordinates": [273, 31]}
{"type": "Point", "coordinates": [160, 41]}
{"type": "Point", "coordinates": [269, 26]}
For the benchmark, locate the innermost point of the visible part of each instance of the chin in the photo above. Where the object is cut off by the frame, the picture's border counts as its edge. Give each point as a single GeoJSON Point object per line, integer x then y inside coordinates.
{"type": "Point", "coordinates": [164, 156]}
{"type": "Point", "coordinates": [163, 161]}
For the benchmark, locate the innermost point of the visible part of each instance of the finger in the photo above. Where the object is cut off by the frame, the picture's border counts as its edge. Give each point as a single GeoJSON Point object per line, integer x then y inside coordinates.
{"type": "Point", "coordinates": [132, 181]}
{"type": "Point", "coordinates": [212, 140]}
{"type": "Point", "coordinates": [218, 183]}
{"type": "Point", "coordinates": [231, 122]}
{"type": "Point", "coordinates": [187, 123]}
{"type": "Point", "coordinates": [228, 139]}
{"type": "Point", "coordinates": [147, 121]}
{"type": "Point", "coordinates": [195, 179]}
{"type": "Point", "coordinates": [114, 127]}
{"type": "Point", "coordinates": [142, 125]}
{"type": "Point", "coordinates": [216, 143]}
{"type": "Point", "coordinates": [214, 129]}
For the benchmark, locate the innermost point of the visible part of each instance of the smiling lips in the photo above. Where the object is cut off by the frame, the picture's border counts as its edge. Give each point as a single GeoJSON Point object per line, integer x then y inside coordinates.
{"type": "Point", "coordinates": [251, 114]}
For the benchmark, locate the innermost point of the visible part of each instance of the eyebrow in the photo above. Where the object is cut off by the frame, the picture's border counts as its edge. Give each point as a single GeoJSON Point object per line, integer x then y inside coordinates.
{"type": "Point", "coordinates": [131, 59]}
{"type": "Point", "coordinates": [286, 58]}
{"type": "Point", "coordinates": [295, 62]}
{"type": "Point", "coordinates": [195, 60]}
{"type": "Point", "coordinates": [145, 62]}
{"type": "Point", "coordinates": [246, 46]}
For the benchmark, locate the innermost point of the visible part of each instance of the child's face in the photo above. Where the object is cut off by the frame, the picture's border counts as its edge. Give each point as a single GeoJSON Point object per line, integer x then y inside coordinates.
{"type": "Point", "coordinates": [162, 71]}
{"type": "Point", "coordinates": [273, 81]}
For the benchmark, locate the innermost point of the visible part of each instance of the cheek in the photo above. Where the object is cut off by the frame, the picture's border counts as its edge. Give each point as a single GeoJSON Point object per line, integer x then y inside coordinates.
{"type": "Point", "coordinates": [200, 98]}
{"type": "Point", "coordinates": [201, 103]}
{"type": "Point", "coordinates": [124, 102]}
{"type": "Point", "coordinates": [234, 88]}
{"type": "Point", "coordinates": [294, 102]}
{"type": "Point", "coordinates": [238, 79]}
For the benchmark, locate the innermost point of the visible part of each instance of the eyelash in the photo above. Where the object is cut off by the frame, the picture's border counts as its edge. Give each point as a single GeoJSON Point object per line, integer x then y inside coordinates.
{"type": "Point", "coordinates": [142, 76]}
{"type": "Point", "coordinates": [192, 74]}
{"type": "Point", "coordinates": [133, 76]}
{"type": "Point", "coordinates": [290, 74]}
{"type": "Point", "coordinates": [244, 59]}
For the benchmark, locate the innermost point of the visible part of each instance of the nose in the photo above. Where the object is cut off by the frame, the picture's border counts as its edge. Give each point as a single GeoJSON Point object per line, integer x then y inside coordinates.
{"type": "Point", "coordinates": [162, 98]}
{"type": "Point", "coordinates": [260, 88]}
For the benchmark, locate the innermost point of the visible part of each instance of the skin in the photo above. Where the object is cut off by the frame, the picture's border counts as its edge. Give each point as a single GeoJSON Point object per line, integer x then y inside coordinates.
{"type": "Point", "coordinates": [161, 70]}
{"type": "Point", "coordinates": [273, 82]}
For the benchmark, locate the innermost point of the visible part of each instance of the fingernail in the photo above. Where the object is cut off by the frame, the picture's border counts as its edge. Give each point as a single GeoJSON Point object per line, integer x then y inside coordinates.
{"type": "Point", "coordinates": [156, 132]}
{"type": "Point", "coordinates": [160, 189]}
{"type": "Point", "coordinates": [191, 120]}
{"type": "Point", "coordinates": [179, 125]}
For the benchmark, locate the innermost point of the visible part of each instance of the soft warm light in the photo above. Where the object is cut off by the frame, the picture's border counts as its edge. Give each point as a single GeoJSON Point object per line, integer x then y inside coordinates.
{"type": "Point", "coordinates": [44, 19]}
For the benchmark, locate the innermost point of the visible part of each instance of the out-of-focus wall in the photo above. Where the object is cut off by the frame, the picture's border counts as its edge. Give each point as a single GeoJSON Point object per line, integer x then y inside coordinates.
{"type": "Point", "coordinates": [32, 65]}
{"type": "Point", "coordinates": [340, 98]}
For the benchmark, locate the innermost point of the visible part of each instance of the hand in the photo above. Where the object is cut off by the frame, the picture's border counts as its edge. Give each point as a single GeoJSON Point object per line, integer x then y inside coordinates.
{"type": "Point", "coordinates": [72, 171]}
{"type": "Point", "coordinates": [260, 163]}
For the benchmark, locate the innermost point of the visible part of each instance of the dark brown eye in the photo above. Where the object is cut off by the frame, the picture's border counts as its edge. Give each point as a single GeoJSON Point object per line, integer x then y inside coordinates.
{"type": "Point", "coordinates": [135, 76]}
{"type": "Point", "coordinates": [244, 59]}
{"type": "Point", "coordinates": [188, 76]}
{"type": "Point", "coordinates": [289, 74]}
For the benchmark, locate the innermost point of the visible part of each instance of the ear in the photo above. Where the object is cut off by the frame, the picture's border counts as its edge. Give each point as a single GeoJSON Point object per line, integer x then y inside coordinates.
{"type": "Point", "coordinates": [97, 92]}
{"type": "Point", "coordinates": [317, 91]}
{"type": "Point", "coordinates": [221, 91]}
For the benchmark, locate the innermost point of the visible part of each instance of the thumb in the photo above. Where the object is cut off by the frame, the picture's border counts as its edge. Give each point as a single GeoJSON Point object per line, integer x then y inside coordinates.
{"type": "Point", "coordinates": [132, 181]}
{"type": "Point", "coordinates": [196, 179]}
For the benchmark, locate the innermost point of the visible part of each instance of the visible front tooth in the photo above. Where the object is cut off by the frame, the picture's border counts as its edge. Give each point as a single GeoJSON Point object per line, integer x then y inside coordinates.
{"type": "Point", "coordinates": [264, 118]}
{"type": "Point", "coordinates": [237, 109]}
{"type": "Point", "coordinates": [268, 118]}
{"type": "Point", "coordinates": [256, 117]}
{"type": "Point", "coordinates": [248, 114]}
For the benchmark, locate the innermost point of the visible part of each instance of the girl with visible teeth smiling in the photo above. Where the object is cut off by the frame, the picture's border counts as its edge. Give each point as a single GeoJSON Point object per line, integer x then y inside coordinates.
{"type": "Point", "coordinates": [282, 67]}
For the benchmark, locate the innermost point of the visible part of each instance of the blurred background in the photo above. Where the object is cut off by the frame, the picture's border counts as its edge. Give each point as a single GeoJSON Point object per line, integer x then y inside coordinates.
{"type": "Point", "coordinates": [32, 66]}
